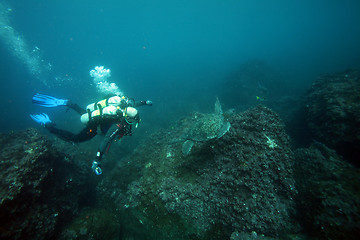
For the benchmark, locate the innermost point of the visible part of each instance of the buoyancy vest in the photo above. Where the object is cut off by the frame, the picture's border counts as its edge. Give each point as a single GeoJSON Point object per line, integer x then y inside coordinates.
{"type": "Point", "coordinates": [106, 108]}
{"type": "Point", "coordinates": [112, 101]}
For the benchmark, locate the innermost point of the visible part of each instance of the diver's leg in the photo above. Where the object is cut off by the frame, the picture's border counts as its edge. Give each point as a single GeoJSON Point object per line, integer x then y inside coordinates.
{"type": "Point", "coordinates": [86, 134]}
{"type": "Point", "coordinates": [76, 108]}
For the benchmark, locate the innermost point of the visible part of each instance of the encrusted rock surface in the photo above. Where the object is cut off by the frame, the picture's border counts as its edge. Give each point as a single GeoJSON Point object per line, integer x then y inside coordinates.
{"type": "Point", "coordinates": [334, 112]}
{"type": "Point", "coordinates": [242, 181]}
{"type": "Point", "coordinates": [39, 188]}
{"type": "Point", "coordinates": [329, 194]}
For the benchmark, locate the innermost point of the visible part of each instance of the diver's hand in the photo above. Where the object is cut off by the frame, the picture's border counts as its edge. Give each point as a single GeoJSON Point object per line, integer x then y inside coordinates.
{"type": "Point", "coordinates": [96, 167]}
{"type": "Point", "coordinates": [149, 103]}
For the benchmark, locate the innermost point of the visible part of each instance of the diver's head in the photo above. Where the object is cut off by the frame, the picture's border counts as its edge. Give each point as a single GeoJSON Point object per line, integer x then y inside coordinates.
{"type": "Point", "coordinates": [131, 115]}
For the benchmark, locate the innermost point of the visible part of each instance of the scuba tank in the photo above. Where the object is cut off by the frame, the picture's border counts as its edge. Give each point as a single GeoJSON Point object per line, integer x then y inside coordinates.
{"type": "Point", "coordinates": [113, 101]}
{"type": "Point", "coordinates": [109, 111]}
{"type": "Point", "coordinates": [108, 107]}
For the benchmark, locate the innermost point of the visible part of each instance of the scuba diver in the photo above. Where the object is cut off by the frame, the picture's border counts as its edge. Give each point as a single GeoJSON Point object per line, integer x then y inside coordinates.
{"type": "Point", "coordinates": [114, 116]}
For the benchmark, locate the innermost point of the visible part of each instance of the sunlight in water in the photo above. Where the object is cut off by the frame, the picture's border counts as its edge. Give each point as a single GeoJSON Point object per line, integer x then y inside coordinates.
{"type": "Point", "coordinates": [17, 45]}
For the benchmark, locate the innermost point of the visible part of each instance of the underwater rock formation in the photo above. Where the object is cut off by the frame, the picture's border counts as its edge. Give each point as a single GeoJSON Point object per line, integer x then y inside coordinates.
{"type": "Point", "coordinates": [334, 112]}
{"type": "Point", "coordinates": [40, 189]}
{"type": "Point", "coordinates": [93, 223]}
{"type": "Point", "coordinates": [328, 201]}
{"type": "Point", "coordinates": [240, 182]}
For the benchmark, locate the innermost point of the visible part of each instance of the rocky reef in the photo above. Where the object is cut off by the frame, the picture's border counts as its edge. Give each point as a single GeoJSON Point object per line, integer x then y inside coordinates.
{"type": "Point", "coordinates": [333, 104]}
{"type": "Point", "coordinates": [329, 194]}
{"type": "Point", "coordinates": [241, 182]}
{"type": "Point", "coordinates": [218, 175]}
{"type": "Point", "coordinates": [40, 188]}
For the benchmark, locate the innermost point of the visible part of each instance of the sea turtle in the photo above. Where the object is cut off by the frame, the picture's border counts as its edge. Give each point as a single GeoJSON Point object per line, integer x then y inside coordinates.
{"type": "Point", "coordinates": [204, 127]}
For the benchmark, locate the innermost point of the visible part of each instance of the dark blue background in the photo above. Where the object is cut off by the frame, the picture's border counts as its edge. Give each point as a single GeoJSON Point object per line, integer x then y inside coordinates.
{"type": "Point", "coordinates": [167, 51]}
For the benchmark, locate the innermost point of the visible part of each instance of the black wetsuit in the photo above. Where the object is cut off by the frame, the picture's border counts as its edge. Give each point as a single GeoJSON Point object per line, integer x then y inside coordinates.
{"type": "Point", "coordinates": [113, 128]}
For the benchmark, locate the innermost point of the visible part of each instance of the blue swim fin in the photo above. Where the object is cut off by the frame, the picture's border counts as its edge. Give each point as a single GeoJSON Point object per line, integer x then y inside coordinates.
{"type": "Point", "coordinates": [48, 101]}
{"type": "Point", "coordinates": [43, 119]}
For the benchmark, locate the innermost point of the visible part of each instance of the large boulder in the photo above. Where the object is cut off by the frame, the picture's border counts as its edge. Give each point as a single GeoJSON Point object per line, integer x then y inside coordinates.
{"type": "Point", "coordinates": [333, 104]}
{"type": "Point", "coordinates": [240, 182]}
{"type": "Point", "coordinates": [329, 194]}
{"type": "Point", "coordinates": [93, 223]}
{"type": "Point", "coordinates": [40, 188]}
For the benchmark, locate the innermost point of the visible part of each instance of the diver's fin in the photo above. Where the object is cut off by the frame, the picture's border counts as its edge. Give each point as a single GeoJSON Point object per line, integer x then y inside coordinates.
{"type": "Point", "coordinates": [48, 101]}
{"type": "Point", "coordinates": [43, 119]}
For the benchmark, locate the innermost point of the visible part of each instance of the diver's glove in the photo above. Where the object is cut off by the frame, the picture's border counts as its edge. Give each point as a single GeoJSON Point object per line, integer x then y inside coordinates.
{"type": "Point", "coordinates": [43, 119]}
{"type": "Point", "coordinates": [149, 102]}
{"type": "Point", "coordinates": [96, 167]}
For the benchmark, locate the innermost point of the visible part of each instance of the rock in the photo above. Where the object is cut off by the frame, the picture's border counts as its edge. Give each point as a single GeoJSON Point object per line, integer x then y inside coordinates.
{"type": "Point", "coordinates": [39, 189]}
{"type": "Point", "coordinates": [328, 200]}
{"type": "Point", "coordinates": [241, 182]}
{"type": "Point", "coordinates": [334, 112]}
{"type": "Point", "coordinates": [94, 223]}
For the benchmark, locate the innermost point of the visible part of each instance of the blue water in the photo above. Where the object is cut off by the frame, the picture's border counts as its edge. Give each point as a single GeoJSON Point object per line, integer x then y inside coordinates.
{"type": "Point", "coordinates": [166, 51]}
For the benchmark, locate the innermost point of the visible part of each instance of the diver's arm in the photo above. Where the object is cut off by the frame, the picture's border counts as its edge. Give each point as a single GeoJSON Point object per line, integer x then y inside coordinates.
{"type": "Point", "coordinates": [143, 103]}
{"type": "Point", "coordinates": [130, 102]}
{"type": "Point", "coordinates": [110, 135]}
